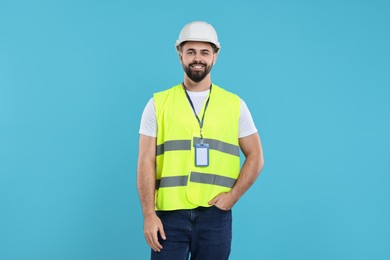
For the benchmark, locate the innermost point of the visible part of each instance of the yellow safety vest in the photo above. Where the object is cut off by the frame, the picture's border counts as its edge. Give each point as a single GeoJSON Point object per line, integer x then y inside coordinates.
{"type": "Point", "coordinates": [179, 183]}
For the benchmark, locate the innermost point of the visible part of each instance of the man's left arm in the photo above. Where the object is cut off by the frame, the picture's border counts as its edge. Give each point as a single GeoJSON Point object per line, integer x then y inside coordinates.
{"type": "Point", "coordinates": [254, 161]}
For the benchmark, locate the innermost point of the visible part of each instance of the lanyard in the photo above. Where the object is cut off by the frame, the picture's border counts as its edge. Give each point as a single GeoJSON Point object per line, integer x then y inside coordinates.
{"type": "Point", "coordinates": [193, 109]}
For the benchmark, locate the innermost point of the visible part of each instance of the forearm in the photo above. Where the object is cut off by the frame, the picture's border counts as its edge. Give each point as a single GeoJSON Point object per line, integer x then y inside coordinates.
{"type": "Point", "coordinates": [249, 172]}
{"type": "Point", "coordinates": [254, 161]}
{"type": "Point", "coordinates": [146, 174]}
{"type": "Point", "coordinates": [146, 183]}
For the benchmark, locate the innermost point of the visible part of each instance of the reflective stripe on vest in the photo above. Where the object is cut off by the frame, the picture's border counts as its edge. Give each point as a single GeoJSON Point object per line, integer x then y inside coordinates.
{"type": "Point", "coordinates": [205, 178]}
{"type": "Point", "coordinates": [220, 146]}
{"type": "Point", "coordinates": [217, 145]}
{"type": "Point", "coordinates": [172, 181]}
{"type": "Point", "coordinates": [173, 145]}
{"type": "Point", "coordinates": [214, 179]}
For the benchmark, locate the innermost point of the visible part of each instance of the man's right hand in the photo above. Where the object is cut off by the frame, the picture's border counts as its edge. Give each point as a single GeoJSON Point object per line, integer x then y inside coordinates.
{"type": "Point", "coordinates": [153, 226]}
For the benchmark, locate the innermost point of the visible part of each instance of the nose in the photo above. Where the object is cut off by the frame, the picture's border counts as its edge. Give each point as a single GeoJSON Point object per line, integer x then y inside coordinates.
{"type": "Point", "coordinates": [197, 57]}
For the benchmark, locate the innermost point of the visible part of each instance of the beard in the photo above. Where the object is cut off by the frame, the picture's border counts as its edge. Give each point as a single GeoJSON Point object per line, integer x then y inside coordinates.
{"type": "Point", "coordinates": [197, 76]}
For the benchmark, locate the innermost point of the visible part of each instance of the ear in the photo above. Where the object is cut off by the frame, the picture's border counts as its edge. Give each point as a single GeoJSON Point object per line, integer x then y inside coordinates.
{"type": "Point", "coordinates": [180, 57]}
{"type": "Point", "coordinates": [215, 57]}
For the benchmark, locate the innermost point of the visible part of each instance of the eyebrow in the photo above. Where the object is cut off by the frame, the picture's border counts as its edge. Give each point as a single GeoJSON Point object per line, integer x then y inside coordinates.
{"type": "Point", "coordinates": [192, 49]}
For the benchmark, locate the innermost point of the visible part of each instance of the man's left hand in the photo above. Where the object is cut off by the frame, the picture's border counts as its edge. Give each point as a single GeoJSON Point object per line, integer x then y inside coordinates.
{"type": "Point", "coordinates": [225, 201]}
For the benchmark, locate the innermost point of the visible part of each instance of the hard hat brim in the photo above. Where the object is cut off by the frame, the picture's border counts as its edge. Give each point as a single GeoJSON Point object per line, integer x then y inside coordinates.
{"type": "Point", "coordinates": [198, 40]}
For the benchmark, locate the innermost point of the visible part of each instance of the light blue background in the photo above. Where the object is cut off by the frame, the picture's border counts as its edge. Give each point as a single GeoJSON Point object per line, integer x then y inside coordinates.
{"type": "Point", "coordinates": [76, 75]}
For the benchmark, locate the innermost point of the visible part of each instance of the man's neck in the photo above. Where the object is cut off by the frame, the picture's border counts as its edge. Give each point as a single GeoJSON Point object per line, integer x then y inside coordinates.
{"type": "Point", "coordinates": [197, 86]}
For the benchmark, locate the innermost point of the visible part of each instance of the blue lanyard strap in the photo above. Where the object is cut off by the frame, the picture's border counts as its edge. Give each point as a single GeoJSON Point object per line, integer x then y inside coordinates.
{"type": "Point", "coordinates": [193, 108]}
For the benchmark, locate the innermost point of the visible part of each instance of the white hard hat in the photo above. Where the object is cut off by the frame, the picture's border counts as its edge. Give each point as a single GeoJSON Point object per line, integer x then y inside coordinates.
{"type": "Point", "coordinates": [200, 32]}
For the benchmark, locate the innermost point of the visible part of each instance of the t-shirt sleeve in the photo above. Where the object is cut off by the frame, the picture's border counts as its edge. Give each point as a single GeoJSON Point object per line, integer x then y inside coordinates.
{"type": "Point", "coordinates": [148, 124]}
{"type": "Point", "coordinates": [246, 124]}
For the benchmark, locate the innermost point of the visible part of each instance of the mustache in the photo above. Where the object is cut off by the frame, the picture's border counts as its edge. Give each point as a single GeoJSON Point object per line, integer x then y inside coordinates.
{"type": "Point", "coordinates": [198, 63]}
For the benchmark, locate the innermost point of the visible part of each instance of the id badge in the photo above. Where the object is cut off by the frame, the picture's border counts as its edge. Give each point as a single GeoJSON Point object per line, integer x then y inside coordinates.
{"type": "Point", "coordinates": [201, 154]}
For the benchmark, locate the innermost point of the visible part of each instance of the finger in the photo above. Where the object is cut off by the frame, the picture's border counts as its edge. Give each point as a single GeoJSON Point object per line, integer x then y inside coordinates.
{"type": "Point", "coordinates": [156, 244]}
{"type": "Point", "coordinates": [151, 241]}
{"type": "Point", "coordinates": [214, 201]}
{"type": "Point", "coordinates": [162, 232]}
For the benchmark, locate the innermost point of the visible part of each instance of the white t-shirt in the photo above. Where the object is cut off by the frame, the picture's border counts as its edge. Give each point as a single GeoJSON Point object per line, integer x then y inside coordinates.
{"type": "Point", "coordinates": [148, 125]}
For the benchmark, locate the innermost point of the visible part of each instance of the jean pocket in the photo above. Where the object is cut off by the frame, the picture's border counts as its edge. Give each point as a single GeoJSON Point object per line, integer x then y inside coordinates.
{"type": "Point", "coordinates": [221, 210]}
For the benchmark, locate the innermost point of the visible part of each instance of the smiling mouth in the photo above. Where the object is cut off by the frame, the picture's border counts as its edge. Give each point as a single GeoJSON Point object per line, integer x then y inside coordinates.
{"type": "Point", "coordinates": [197, 67]}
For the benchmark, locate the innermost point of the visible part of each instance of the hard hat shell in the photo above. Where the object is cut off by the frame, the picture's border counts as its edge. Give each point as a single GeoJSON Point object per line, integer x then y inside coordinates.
{"type": "Point", "coordinates": [200, 32]}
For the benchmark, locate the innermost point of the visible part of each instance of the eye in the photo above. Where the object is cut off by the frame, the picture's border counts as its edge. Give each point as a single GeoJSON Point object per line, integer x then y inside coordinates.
{"type": "Point", "coordinates": [190, 52]}
{"type": "Point", "coordinates": [205, 53]}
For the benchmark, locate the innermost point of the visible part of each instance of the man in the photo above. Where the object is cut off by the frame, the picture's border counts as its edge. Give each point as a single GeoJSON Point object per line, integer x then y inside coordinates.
{"type": "Point", "coordinates": [189, 174]}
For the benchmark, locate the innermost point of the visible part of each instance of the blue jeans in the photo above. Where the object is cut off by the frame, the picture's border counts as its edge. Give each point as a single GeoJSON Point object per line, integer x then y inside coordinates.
{"type": "Point", "coordinates": [203, 233]}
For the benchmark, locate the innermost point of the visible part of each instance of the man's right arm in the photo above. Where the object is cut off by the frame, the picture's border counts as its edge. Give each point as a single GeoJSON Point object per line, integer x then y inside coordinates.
{"type": "Point", "coordinates": [146, 183]}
